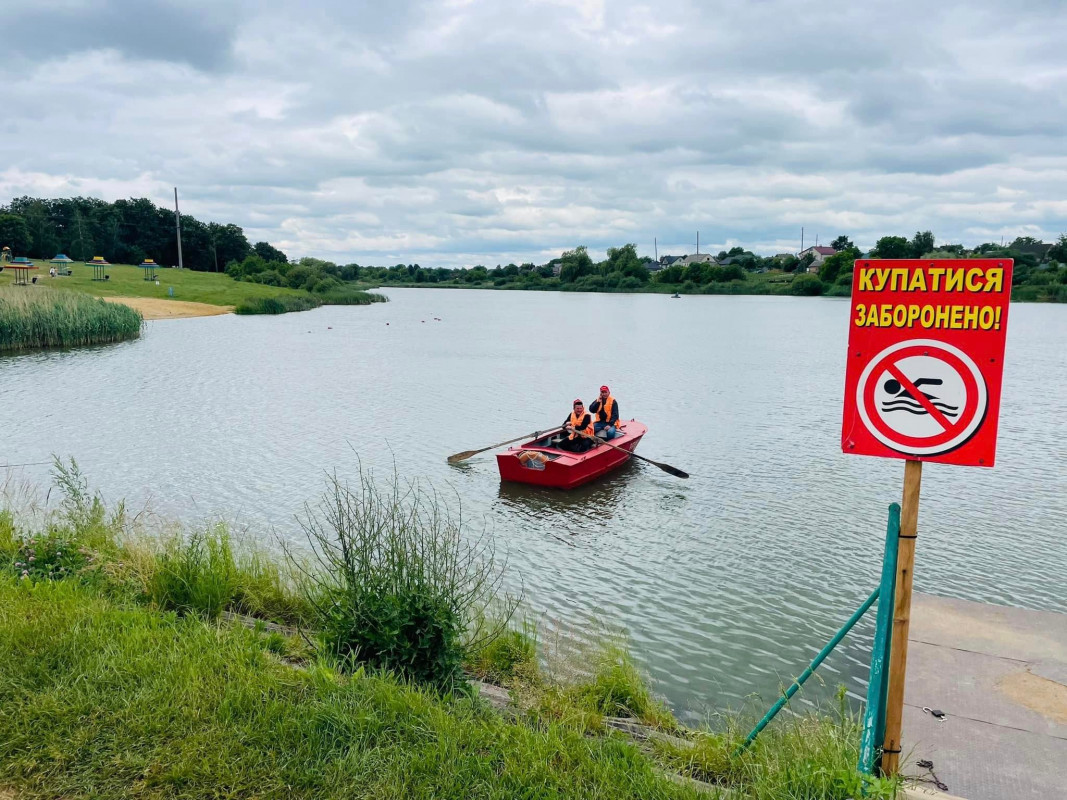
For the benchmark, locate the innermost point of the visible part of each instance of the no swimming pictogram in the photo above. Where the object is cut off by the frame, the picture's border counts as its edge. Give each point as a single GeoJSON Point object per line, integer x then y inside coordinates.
{"type": "Point", "coordinates": [922, 397]}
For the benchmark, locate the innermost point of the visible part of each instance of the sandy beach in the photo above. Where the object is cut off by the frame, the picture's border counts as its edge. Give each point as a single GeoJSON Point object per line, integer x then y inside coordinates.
{"type": "Point", "coordinates": [155, 308]}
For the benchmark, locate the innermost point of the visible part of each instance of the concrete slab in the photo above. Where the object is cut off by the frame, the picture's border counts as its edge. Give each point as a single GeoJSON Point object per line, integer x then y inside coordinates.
{"type": "Point", "coordinates": [994, 630]}
{"type": "Point", "coordinates": [1000, 676]}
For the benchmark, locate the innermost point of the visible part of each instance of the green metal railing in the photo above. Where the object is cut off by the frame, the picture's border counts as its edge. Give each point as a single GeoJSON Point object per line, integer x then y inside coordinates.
{"type": "Point", "coordinates": [878, 683]}
{"type": "Point", "coordinates": [878, 686]}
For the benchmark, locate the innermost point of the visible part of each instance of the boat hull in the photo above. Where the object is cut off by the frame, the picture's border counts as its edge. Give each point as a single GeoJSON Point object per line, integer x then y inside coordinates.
{"type": "Point", "coordinates": [535, 464]}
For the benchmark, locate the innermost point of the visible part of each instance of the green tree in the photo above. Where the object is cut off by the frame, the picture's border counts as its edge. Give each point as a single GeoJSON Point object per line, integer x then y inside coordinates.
{"type": "Point", "coordinates": [922, 243]}
{"type": "Point", "coordinates": [789, 262]}
{"type": "Point", "coordinates": [842, 242]}
{"type": "Point", "coordinates": [14, 234]}
{"type": "Point", "coordinates": [671, 274]}
{"type": "Point", "coordinates": [625, 261]}
{"type": "Point", "coordinates": [575, 264]}
{"type": "Point", "coordinates": [835, 265]}
{"type": "Point", "coordinates": [269, 252]}
{"type": "Point", "coordinates": [1059, 250]}
{"type": "Point", "coordinates": [892, 247]}
{"type": "Point", "coordinates": [230, 243]}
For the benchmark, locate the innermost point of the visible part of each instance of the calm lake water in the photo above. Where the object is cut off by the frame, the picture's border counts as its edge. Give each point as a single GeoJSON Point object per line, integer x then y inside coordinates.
{"type": "Point", "coordinates": [726, 584]}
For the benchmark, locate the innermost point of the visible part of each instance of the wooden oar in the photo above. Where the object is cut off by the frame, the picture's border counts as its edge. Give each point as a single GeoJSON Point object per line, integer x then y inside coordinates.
{"type": "Point", "coordinates": [452, 459]}
{"type": "Point", "coordinates": [665, 467]}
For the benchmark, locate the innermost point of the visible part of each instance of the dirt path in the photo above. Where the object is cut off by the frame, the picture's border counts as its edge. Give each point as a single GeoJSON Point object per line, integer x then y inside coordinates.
{"type": "Point", "coordinates": [154, 308]}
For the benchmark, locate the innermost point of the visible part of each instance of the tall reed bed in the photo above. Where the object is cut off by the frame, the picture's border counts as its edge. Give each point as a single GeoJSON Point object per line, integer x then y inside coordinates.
{"type": "Point", "coordinates": [347, 296]}
{"type": "Point", "coordinates": [36, 316]}
{"type": "Point", "coordinates": [282, 304]}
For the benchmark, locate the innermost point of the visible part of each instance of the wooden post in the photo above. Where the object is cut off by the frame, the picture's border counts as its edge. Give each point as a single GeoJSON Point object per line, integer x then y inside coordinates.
{"type": "Point", "coordinates": [898, 658]}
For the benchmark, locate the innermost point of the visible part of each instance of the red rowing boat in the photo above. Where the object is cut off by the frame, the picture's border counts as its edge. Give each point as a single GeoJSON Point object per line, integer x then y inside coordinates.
{"type": "Point", "coordinates": [537, 463]}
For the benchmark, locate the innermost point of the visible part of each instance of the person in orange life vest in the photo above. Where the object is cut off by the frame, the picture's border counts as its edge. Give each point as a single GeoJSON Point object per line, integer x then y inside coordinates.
{"type": "Point", "coordinates": [605, 415]}
{"type": "Point", "coordinates": [574, 426]}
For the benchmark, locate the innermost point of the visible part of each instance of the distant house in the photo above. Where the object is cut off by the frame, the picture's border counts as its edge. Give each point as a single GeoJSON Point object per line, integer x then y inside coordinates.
{"type": "Point", "coordinates": [820, 253]}
{"type": "Point", "coordinates": [696, 258]}
{"type": "Point", "coordinates": [1037, 249]}
{"type": "Point", "coordinates": [666, 261]}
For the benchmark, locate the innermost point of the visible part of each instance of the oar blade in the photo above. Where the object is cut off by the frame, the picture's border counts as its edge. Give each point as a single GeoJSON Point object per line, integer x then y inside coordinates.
{"type": "Point", "coordinates": [452, 459]}
{"type": "Point", "coordinates": [672, 470]}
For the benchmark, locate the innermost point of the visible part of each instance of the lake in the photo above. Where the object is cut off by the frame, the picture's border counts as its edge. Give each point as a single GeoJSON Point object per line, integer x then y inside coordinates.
{"type": "Point", "coordinates": [725, 584]}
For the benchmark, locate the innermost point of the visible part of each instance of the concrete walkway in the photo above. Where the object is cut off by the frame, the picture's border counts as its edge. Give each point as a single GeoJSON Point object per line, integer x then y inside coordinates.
{"type": "Point", "coordinates": [1000, 676]}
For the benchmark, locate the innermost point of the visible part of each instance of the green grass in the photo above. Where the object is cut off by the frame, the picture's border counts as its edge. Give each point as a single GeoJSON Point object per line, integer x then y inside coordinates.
{"type": "Point", "coordinates": [118, 679]}
{"type": "Point", "coordinates": [106, 700]}
{"type": "Point", "coordinates": [36, 316]}
{"type": "Point", "coordinates": [213, 288]}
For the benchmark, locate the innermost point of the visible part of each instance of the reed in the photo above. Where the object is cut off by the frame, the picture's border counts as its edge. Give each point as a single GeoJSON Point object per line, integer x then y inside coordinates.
{"type": "Point", "coordinates": [282, 304]}
{"type": "Point", "coordinates": [34, 317]}
{"type": "Point", "coordinates": [347, 296]}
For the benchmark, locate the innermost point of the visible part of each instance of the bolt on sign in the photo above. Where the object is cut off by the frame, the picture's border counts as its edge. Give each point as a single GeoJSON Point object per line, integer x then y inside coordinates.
{"type": "Point", "coordinates": [926, 358]}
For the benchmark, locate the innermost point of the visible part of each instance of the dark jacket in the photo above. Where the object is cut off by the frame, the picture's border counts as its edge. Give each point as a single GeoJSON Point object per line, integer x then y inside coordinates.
{"type": "Point", "coordinates": [595, 408]}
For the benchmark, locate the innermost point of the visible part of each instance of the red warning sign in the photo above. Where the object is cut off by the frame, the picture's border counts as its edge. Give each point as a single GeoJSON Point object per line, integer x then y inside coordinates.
{"type": "Point", "coordinates": [926, 352]}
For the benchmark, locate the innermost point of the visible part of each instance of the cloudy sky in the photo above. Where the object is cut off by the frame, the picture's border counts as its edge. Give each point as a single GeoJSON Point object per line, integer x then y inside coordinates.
{"type": "Point", "coordinates": [459, 132]}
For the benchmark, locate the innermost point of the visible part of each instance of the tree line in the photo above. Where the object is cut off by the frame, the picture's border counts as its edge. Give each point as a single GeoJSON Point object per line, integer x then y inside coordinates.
{"type": "Point", "coordinates": [128, 231]}
{"type": "Point", "coordinates": [125, 232]}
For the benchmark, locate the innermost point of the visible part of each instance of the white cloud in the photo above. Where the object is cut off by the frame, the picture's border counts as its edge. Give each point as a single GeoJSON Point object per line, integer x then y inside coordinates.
{"type": "Point", "coordinates": [476, 131]}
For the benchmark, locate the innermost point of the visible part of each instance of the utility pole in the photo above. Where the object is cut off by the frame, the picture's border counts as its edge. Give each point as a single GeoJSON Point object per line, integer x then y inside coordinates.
{"type": "Point", "coordinates": [802, 240]}
{"type": "Point", "coordinates": [698, 243]}
{"type": "Point", "coordinates": [178, 229]}
{"type": "Point", "coordinates": [81, 232]}
{"type": "Point", "coordinates": [655, 247]}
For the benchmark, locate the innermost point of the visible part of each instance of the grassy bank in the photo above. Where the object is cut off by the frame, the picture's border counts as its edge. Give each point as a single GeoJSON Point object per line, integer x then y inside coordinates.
{"type": "Point", "coordinates": [36, 316]}
{"type": "Point", "coordinates": [217, 289]}
{"type": "Point", "coordinates": [120, 677]}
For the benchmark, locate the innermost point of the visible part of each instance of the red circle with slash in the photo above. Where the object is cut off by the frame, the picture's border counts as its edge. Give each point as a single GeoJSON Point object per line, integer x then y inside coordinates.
{"type": "Point", "coordinates": [910, 420]}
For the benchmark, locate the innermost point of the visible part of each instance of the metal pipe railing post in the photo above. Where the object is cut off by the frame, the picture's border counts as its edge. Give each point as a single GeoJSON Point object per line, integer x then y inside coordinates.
{"type": "Point", "coordinates": [807, 673]}
{"type": "Point", "coordinates": [878, 683]}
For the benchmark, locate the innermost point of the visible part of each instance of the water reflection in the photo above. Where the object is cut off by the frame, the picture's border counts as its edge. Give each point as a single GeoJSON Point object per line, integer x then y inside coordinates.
{"type": "Point", "coordinates": [726, 583]}
{"type": "Point", "coordinates": [572, 510]}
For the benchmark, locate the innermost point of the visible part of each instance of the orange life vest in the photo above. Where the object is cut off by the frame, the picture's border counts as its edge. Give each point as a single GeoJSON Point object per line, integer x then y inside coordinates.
{"type": "Point", "coordinates": [606, 407]}
{"type": "Point", "coordinates": [576, 423]}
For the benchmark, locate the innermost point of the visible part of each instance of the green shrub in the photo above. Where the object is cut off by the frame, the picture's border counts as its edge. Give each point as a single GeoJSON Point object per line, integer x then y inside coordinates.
{"type": "Point", "coordinates": [399, 581]}
{"type": "Point", "coordinates": [1026, 294]}
{"type": "Point", "coordinates": [280, 304]}
{"type": "Point", "coordinates": [327, 284]}
{"type": "Point", "coordinates": [38, 316]}
{"type": "Point", "coordinates": [806, 284]}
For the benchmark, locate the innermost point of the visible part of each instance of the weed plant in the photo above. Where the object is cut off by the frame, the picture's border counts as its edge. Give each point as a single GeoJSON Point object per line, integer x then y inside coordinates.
{"type": "Point", "coordinates": [398, 580]}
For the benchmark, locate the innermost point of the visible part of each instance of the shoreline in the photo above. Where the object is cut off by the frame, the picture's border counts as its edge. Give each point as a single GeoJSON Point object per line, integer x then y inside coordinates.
{"type": "Point", "coordinates": [152, 308]}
